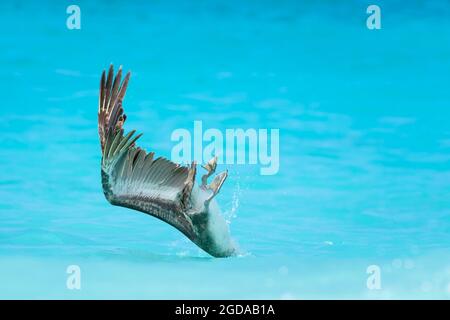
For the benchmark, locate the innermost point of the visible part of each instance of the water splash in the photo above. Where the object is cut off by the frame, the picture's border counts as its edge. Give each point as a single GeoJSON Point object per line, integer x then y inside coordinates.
{"type": "Point", "coordinates": [231, 213]}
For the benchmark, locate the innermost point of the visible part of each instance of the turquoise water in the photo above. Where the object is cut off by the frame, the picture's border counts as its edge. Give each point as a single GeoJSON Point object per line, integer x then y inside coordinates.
{"type": "Point", "coordinates": [364, 147]}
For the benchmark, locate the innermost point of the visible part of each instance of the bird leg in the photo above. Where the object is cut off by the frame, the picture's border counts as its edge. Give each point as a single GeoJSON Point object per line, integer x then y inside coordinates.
{"type": "Point", "coordinates": [211, 168]}
{"type": "Point", "coordinates": [216, 185]}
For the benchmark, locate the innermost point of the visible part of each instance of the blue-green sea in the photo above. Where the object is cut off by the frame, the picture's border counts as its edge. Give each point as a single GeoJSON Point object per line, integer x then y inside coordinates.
{"type": "Point", "coordinates": [364, 148]}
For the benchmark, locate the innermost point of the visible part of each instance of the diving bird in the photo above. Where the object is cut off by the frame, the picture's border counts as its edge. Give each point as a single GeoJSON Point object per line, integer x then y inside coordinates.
{"type": "Point", "coordinates": [135, 179]}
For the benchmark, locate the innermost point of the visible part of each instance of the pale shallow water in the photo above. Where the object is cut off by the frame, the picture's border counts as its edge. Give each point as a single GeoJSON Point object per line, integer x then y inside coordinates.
{"type": "Point", "coordinates": [364, 173]}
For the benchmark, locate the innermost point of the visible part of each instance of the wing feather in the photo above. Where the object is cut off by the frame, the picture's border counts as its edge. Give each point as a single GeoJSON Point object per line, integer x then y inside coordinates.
{"type": "Point", "coordinates": [132, 177]}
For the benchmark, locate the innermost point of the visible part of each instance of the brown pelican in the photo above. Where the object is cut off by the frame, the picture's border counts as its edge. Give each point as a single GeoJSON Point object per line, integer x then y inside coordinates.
{"type": "Point", "coordinates": [135, 179]}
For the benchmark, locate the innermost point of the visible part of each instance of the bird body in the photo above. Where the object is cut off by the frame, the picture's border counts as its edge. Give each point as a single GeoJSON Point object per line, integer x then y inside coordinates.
{"type": "Point", "coordinates": [134, 179]}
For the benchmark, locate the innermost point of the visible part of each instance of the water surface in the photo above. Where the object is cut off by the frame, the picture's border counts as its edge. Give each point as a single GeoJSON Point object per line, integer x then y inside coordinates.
{"type": "Point", "coordinates": [364, 147]}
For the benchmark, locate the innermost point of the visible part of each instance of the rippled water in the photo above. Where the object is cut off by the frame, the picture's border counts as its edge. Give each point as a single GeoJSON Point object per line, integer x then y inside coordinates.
{"type": "Point", "coordinates": [364, 173]}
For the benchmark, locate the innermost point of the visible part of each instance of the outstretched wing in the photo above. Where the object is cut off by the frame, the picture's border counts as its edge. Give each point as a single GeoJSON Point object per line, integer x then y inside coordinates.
{"type": "Point", "coordinates": [132, 177]}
